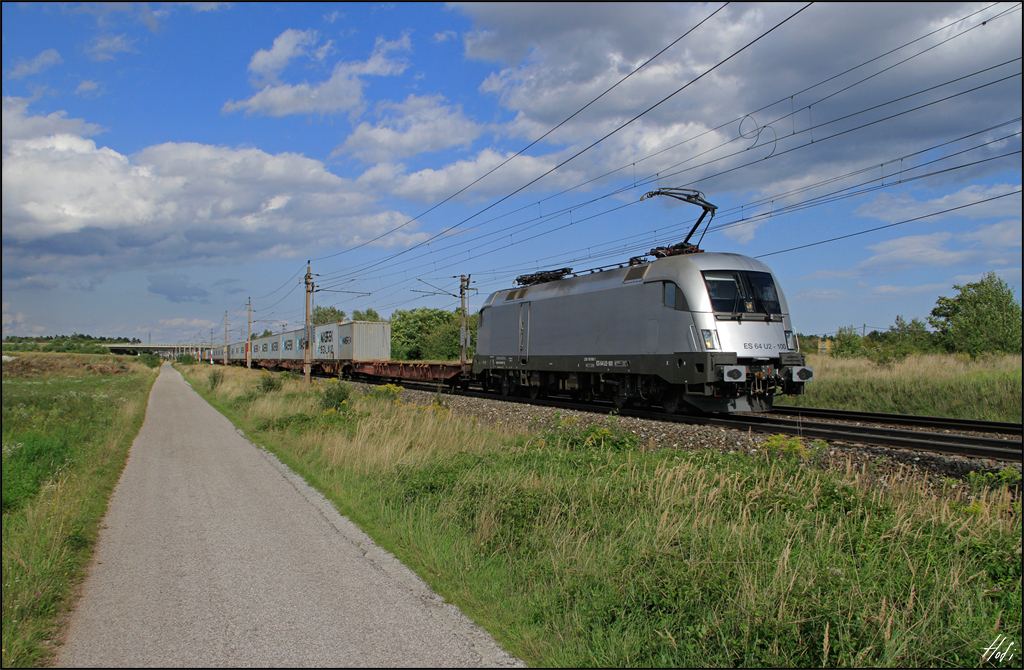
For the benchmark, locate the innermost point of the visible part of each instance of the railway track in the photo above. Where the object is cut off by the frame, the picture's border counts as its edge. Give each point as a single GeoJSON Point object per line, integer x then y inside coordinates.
{"type": "Point", "coordinates": [958, 444]}
{"type": "Point", "coordinates": [940, 422]}
{"type": "Point", "coordinates": [793, 421]}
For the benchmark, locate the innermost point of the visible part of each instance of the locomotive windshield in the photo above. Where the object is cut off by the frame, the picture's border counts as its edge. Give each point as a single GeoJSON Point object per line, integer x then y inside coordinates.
{"type": "Point", "coordinates": [742, 292]}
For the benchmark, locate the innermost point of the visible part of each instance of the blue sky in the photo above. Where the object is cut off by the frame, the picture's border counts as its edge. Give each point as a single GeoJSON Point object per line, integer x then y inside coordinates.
{"type": "Point", "coordinates": [163, 163]}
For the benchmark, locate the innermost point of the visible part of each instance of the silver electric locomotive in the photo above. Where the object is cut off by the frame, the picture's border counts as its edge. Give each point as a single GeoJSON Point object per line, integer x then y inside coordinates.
{"type": "Point", "coordinates": [688, 330]}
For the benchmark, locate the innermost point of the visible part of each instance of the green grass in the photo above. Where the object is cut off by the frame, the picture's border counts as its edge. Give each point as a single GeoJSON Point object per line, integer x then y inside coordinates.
{"type": "Point", "coordinates": [576, 547]}
{"type": "Point", "coordinates": [68, 421]}
{"type": "Point", "coordinates": [931, 385]}
{"type": "Point", "coordinates": [30, 459]}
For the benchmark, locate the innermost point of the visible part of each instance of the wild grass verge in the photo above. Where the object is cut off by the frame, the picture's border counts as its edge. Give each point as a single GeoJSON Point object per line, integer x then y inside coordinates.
{"type": "Point", "coordinates": [576, 547]}
{"type": "Point", "coordinates": [68, 422]}
{"type": "Point", "coordinates": [933, 385]}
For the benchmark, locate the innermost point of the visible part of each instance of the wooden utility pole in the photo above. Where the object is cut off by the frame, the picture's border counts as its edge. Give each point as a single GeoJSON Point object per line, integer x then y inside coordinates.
{"type": "Point", "coordinates": [248, 339]}
{"type": "Point", "coordinates": [225, 339]}
{"type": "Point", "coordinates": [308, 359]}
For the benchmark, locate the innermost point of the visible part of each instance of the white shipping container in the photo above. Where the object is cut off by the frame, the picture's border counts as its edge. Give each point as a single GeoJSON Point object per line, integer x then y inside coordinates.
{"type": "Point", "coordinates": [326, 339]}
{"type": "Point", "coordinates": [365, 341]}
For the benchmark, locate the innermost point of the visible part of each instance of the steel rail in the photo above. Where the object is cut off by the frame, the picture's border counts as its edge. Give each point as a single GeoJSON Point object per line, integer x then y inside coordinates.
{"type": "Point", "coordinates": [947, 443]}
{"type": "Point", "coordinates": [942, 422]}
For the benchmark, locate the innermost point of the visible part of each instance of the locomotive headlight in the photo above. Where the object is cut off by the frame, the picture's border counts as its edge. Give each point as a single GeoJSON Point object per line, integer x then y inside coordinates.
{"type": "Point", "coordinates": [791, 341]}
{"type": "Point", "coordinates": [710, 338]}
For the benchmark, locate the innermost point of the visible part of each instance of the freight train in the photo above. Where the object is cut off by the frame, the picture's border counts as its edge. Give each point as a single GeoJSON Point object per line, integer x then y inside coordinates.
{"type": "Point", "coordinates": [686, 331]}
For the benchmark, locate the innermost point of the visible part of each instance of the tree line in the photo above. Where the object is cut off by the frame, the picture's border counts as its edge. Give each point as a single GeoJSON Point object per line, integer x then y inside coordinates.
{"type": "Point", "coordinates": [983, 318]}
{"type": "Point", "coordinates": [77, 343]}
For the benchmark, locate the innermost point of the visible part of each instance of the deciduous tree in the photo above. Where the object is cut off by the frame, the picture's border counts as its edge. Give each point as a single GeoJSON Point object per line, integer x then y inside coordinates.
{"type": "Point", "coordinates": [410, 329]}
{"type": "Point", "coordinates": [983, 318]}
{"type": "Point", "coordinates": [369, 314]}
{"type": "Point", "coordinates": [322, 315]}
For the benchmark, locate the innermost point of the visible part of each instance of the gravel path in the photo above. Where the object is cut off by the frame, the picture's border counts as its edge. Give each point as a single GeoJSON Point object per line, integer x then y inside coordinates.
{"type": "Point", "coordinates": [213, 553]}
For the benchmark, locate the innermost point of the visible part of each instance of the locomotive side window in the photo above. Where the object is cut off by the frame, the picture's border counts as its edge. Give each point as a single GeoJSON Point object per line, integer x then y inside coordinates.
{"type": "Point", "coordinates": [673, 297]}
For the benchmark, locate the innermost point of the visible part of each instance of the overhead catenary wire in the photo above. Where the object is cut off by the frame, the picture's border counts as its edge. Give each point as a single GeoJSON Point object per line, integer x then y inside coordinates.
{"type": "Point", "coordinates": [946, 26]}
{"type": "Point", "coordinates": [889, 225]}
{"type": "Point", "coordinates": [717, 227]}
{"type": "Point", "coordinates": [615, 192]}
{"type": "Point", "coordinates": [603, 138]}
{"type": "Point", "coordinates": [722, 213]}
{"type": "Point", "coordinates": [782, 211]}
{"type": "Point", "coordinates": [531, 144]}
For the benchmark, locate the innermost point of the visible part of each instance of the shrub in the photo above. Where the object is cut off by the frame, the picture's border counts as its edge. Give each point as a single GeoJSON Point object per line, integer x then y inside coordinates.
{"type": "Point", "coordinates": [387, 392]}
{"type": "Point", "coordinates": [789, 447]}
{"type": "Point", "coordinates": [566, 434]}
{"type": "Point", "coordinates": [215, 378]}
{"type": "Point", "coordinates": [847, 343]}
{"type": "Point", "coordinates": [67, 346]}
{"type": "Point", "coordinates": [335, 394]}
{"type": "Point", "coordinates": [888, 355]}
{"type": "Point", "coordinates": [981, 480]}
{"type": "Point", "coordinates": [187, 359]}
{"type": "Point", "coordinates": [150, 360]}
{"type": "Point", "coordinates": [268, 383]}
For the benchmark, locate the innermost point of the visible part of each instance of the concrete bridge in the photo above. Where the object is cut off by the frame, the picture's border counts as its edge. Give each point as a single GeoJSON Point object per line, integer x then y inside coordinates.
{"type": "Point", "coordinates": [166, 350]}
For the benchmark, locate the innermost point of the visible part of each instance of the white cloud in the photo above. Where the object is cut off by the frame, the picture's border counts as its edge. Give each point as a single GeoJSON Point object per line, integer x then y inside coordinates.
{"type": "Point", "coordinates": [187, 324]}
{"type": "Point", "coordinates": [206, 6]}
{"type": "Point", "coordinates": [932, 251]}
{"type": "Point", "coordinates": [17, 124]}
{"type": "Point", "coordinates": [417, 125]}
{"type": "Point", "coordinates": [268, 64]}
{"type": "Point", "coordinates": [554, 59]}
{"type": "Point", "coordinates": [43, 61]}
{"type": "Point", "coordinates": [444, 36]}
{"type": "Point", "coordinates": [1010, 275]}
{"type": "Point", "coordinates": [87, 208]}
{"type": "Point", "coordinates": [430, 185]}
{"type": "Point", "coordinates": [888, 291]}
{"type": "Point", "coordinates": [912, 251]}
{"type": "Point", "coordinates": [823, 295]}
{"type": "Point", "coordinates": [891, 208]}
{"type": "Point", "coordinates": [12, 320]}
{"type": "Point", "coordinates": [342, 92]}
{"type": "Point", "coordinates": [105, 46]}
{"type": "Point", "coordinates": [1004, 235]}
{"type": "Point", "coordinates": [86, 87]}
{"type": "Point", "coordinates": [744, 233]}
{"type": "Point", "coordinates": [38, 283]}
